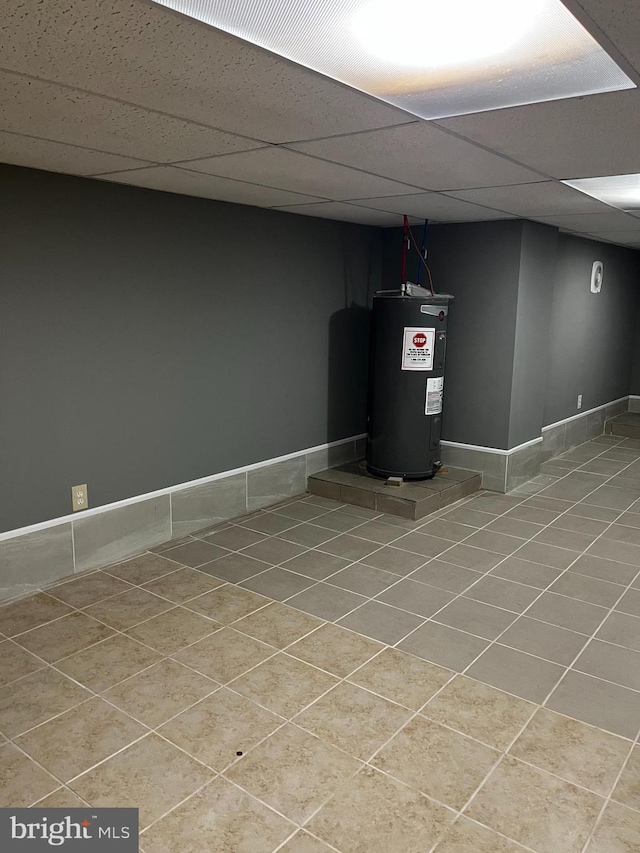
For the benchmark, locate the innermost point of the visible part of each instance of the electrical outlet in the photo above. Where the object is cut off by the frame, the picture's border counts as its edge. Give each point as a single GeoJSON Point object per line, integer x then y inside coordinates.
{"type": "Point", "coordinates": [579, 401]}
{"type": "Point", "coordinates": [79, 498]}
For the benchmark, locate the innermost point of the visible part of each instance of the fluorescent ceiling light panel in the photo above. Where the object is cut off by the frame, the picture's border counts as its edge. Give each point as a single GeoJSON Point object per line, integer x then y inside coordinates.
{"type": "Point", "coordinates": [621, 191]}
{"type": "Point", "coordinates": [433, 58]}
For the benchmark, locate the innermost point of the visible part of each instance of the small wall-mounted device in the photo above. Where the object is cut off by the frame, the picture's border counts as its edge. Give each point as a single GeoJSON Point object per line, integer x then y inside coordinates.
{"type": "Point", "coordinates": [597, 273]}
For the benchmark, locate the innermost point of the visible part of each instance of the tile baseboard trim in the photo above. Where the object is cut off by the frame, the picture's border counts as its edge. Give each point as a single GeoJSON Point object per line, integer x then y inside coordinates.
{"type": "Point", "coordinates": [582, 414]}
{"type": "Point", "coordinates": [180, 487]}
{"type": "Point", "coordinates": [496, 451]}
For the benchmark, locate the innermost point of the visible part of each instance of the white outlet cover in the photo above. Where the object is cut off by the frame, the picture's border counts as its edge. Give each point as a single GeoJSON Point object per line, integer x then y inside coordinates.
{"type": "Point", "coordinates": [597, 274]}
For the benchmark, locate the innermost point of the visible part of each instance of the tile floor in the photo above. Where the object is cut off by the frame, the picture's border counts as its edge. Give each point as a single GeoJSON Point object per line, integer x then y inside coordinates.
{"type": "Point", "coordinates": [317, 678]}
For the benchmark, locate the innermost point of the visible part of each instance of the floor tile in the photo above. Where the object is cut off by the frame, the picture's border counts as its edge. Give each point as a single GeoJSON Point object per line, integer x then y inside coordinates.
{"type": "Point", "coordinates": [446, 528]}
{"type": "Point", "coordinates": [474, 617]}
{"type": "Point", "coordinates": [217, 728]}
{"type": "Point", "coordinates": [543, 640]}
{"type": "Point", "coordinates": [308, 535]}
{"type": "Point", "coordinates": [64, 636]}
{"type": "Point", "coordinates": [565, 538]}
{"type": "Point", "coordinates": [525, 572]}
{"type": "Point", "coordinates": [378, 531]}
{"type": "Point", "coordinates": [224, 655]}
{"type": "Point", "coordinates": [182, 585]}
{"type": "Point", "coordinates": [22, 782]}
{"type": "Point", "coordinates": [335, 650]}
{"type": "Point", "coordinates": [514, 527]}
{"type": "Point", "coordinates": [612, 497]}
{"type": "Point", "coordinates": [300, 511]}
{"type": "Point", "coordinates": [15, 663]}
{"type": "Point", "coordinates": [547, 814]}
{"type": "Point", "coordinates": [107, 663]}
{"type": "Point", "coordinates": [160, 692]}
{"type": "Point", "coordinates": [567, 613]}
{"type": "Point", "coordinates": [338, 521]}
{"type": "Point", "coordinates": [493, 502]}
{"type": "Point", "coordinates": [480, 711]}
{"type": "Point", "coordinates": [445, 576]}
{"type": "Point", "coordinates": [472, 558]}
{"type": "Point", "coordinates": [598, 702]}
{"type": "Point", "coordinates": [220, 818]}
{"type": "Point", "coordinates": [35, 698]}
{"type": "Point", "coordinates": [302, 842]}
{"type": "Point", "coordinates": [283, 684]}
{"type": "Point", "coordinates": [498, 543]}
{"type": "Point", "coordinates": [622, 533]}
{"type": "Point", "coordinates": [376, 814]}
{"type": "Point", "coordinates": [630, 602]}
{"type": "Point", "coordinates": [516, 672]}
{"type": "Point", "coordinates": [235, 567]}
{"type": "Point", "coordinates": [622, 629]}
{"type": "Point", "coordinates": [627, 791]}
{"type": "Point", "coordinates": [555, 505]}
{"type": "Point", "coordinates": [443, 645]}
{"type": "Point", "coordinates": [273, 551]}
{"type": "Point", "coordinates": [598, 513]}
{"type": "Point", "coordinates": [617, 832]}
{"type": "Point", "coordinates": [28, 613]}
{"type": "Point", "coordinates": [235, 538]}
{"type": "Point", "coordinates": [195, 553]}
{"type": "Point", "coordinates": [316, 565]}
{"type": "Point", "coordinates": [326, 601]}
{"type": "Point", "coordinates": [227, 603]}
{"type": "Point", "coordinates": [394, 560]}
{"type": "Point", "coordinates": [278, 625]}
{"type": "Point", "coordinates": [173, 630]}
{"type": "Point", "coordinates": [96, 731]}
{"type": "Point", "coordinates": [630, 519]}
{"type": "Point", "coordinates": [414, 597]}
{"type": "Point", "coordinates": [471, 517]}
{"type": "Point", "coordinates": [151, 773]}
{"type": "Point", "coordinates": [584, 588]}
{"type": "Point", "coordinates": [606, 570]}
{"type": "Point", "coordinates": [436, 761]}
{"type": "Point", "coordinates": [278, 583]}
{"type": "Point", "coordinates": [612, 550]}
{"type": "Point", "coordinates": [88, 589]}
{"type": "Point", "coordinates": [503, 593]}
{"type": "Point", "coordinates": [611, 663]}
{"type": "Point", "coordinates": [547, 555]}
{"type": "Point", "coordinates": [363, 580]}
{"type": "Point", "coordinates": [63, 798]}
{"type": "Point", "coordinates": [381, 622]}
{"type": "Point", "coordinates": [580, 524]}
{"type": "Point", "coordinates": [423, 544]}
{"type": "Point", "coordinates": [349, 547]}
{"type": "Point", "coordinates": [127, 609]}
{"type": "Point", "coordinates": [532, 514]}
{"type": "Point", "coordinates": [468, 837]}
{"type": "Point", "coordinates": [402, 678]}
{"type": "Point", "coordinates": [276, 772]}
{"type": "Point", "coordinates": [142, 569]}
{"type": "Point", "coordinates": [269, 523]}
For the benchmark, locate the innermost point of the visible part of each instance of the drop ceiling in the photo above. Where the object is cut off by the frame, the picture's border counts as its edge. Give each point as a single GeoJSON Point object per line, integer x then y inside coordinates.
{"type": "Point", "coordinates": [130, 92]}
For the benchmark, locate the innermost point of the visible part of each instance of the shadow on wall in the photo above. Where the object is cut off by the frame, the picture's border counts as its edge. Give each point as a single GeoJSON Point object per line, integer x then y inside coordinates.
{"type": "Point", "coordinates": [348, 370]}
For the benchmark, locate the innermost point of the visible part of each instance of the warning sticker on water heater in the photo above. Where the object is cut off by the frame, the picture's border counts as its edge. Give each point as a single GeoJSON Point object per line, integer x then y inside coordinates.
{"type": "Point", "coordinates": [417, 348]}
{"type": "Point", "coordinates": [433, 404]}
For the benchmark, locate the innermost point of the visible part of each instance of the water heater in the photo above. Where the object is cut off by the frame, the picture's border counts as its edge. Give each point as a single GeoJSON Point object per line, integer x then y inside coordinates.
{"type": "Point", "coordinates": [406, 382]}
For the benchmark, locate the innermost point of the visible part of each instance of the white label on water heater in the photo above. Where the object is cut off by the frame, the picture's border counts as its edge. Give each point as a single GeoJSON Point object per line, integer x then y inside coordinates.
{"type": "Point", "coordinates": [433, 403]}
{"type": "Point", "coordinates": [417, 348]}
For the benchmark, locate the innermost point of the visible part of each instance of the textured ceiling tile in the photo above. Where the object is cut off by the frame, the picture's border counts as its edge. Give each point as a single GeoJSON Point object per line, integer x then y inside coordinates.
{"type": "Point", "coordinates": [436, 207]}
{"type": "Point", "coordinates": [534, 199]}
{"type": "Point", "coordinates": [590, 222]}
{"type": "Point", "coordinates": [151, 56]}
{"type": "Point", "coordinates": [575, 138]}
{"type": "Point", "coordinates": [620, 22]}
{"type": "Point", "coordinates": [174, 180]}
{"type": "Point", "coordinates": [54, 112]}
{"type": "Point", "coordinates": [288, 170]}
{"type": "Point", "coordinates": [58, 157]}
{"type": "Point", "coordinates": [345, 212]}
{"type": "Point", "coordinates": [420, 154]}
{"type": "Point", "coordinates": [625, 238]}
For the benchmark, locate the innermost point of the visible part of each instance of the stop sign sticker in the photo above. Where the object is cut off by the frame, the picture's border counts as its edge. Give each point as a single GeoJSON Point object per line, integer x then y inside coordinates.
{"type": "Point", "coordinates": [417, 348]}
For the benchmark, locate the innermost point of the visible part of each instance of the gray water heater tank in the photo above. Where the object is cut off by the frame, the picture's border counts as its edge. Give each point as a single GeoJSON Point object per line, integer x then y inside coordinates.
{"type": "Point", "coordinates": [406, 382]}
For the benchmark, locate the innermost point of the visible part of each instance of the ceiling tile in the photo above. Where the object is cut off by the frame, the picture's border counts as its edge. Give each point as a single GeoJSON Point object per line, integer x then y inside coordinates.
{"type": "Point", "coordinates": [433, 206]}
{"type": "Point", "coordinates": [151, 56]}
{"type": "Point", "coordinates": [590, 222]}
{"type": "Point", "coordinates": [289, 170]}
{"type": "Point", "coordinates": [58, 157]}
{"type": "Point", "coordinates": [60, 114]}
{"type": "Point", "coordinates": [420, 154]}
{"type": "Point", "coordinates": [534, 199]}
{"type": "Point", "coordinates": [575, 138]}
{"type": "Point", "coordinates": [628, 238]}
{"type": "Point", "coordinates": [174, 180]}
{"type": "Point", "coordinates": [346, 213]}
{"type": "Point", "coordinates": [620, 22]}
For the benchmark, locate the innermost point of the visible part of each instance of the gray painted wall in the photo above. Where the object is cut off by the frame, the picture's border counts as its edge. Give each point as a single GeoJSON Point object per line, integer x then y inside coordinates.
{"type": "Point", "coordinates": [535, 297]}
{"type": "Point", "coordinates": [591, 336]}
{"type": "Point", "coordinates": [148, 339]}
{"type": "Point", "coordinates": [634, 385]}
{"type": "Point", "coordinates": [479, 264]}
